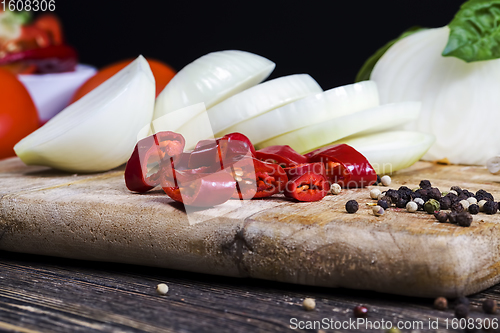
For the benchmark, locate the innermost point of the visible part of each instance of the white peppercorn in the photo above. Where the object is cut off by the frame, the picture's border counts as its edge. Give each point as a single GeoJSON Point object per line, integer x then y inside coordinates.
{"type": "Point", "coordinates": [309, 304]}
{"type": "Point", "coordinates": [411, 206]}
{"type": "Point", "coordinates": [453, 191]}
{"type": "Point", "coordinates": [335, 189]}
{"type": "Point", "coordinates": [162, 289]}
{"type": "Point", "coordinates": [481, 204]}
{"type": "Point", "coordinates": [386, 180]}
{"type": "Point", "coordinates": [377, 210]}
{"type": "Point", "coordinates": [380, 196]}
{"type": "Point", "coordinates": [465, 204]}
{"type": "Point", "coordinates": [374, 193]}
{"type": "Point", "coordinates": [419, 201]}
{"type": "Point", "coordinates": [472, 200]}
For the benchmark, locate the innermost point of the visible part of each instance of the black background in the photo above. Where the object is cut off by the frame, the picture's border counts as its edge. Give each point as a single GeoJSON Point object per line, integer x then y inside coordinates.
{"type": "Point", "coordinates": [330, 40]}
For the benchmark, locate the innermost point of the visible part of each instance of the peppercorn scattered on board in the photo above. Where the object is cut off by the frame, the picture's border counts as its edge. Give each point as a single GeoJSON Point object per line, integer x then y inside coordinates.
{"type": "Point", "coordinates": [95, 217]}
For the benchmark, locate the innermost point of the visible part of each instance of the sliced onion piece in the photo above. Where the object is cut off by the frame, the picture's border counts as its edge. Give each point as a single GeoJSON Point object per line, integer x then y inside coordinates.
{"type": "Point", "coordinates": [362, 122]}
{"type": "Point", "coordinates": [457, 97]}
{"type": "Point", "coordinates": [211, 79]}
{"type": "Point", "coordinates": [260, 99]}
{"type": "Point", "coordinates": [99, 131]}
{"type": "Point", "coordinates": [391, 151]}
{"type": "Point", "coordinates": [311, 110]}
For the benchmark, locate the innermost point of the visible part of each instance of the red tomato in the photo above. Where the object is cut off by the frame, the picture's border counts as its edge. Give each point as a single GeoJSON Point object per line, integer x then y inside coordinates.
{"type": "Point", "coordinates": [18, 115]}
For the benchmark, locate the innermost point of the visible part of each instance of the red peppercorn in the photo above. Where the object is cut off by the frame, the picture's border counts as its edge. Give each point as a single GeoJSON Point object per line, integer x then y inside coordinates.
{"type": "Point", "coordinates": [360, 311]}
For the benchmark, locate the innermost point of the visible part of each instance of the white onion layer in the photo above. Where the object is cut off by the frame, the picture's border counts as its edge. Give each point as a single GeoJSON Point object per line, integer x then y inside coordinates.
{"type": "Point", "coordinates": [211, 79]}
{"type": "Point", "coordinates": [311, 110]}
{"type": "Point", "coordinates": [391, 151]}
{"type": "Point", "coordinates": [261, 99]}
{"type": "Point", "coordinates": [460, 101]}
{"type": "Point", "coordinates": [99, 131]}
{"type": "Point", "coordinates": [359, 123]}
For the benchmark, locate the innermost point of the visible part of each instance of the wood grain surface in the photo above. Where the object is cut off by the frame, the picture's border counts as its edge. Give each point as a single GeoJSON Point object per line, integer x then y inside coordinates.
{"type": "Point", "coordinates": [46, 294]}
{"type": "Point", "coordinates": [94, 217]}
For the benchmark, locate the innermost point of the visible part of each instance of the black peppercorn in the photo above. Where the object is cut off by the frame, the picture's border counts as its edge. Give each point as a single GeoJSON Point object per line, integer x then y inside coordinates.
{"type": "Point", "coordinates": [423, 194]}
{"type": "Point", "coordinates": [456, 189]}
{"type": "Point", "coordinates": [462, 300]}
{"type": "Point", "coordinates": [445, 203]}
{"type": "Point", "coordinates": [464, 219]}
{"type": "Point", "coordinates": [461, 311]}
{"type": "Point", "coordinates": [401, 203]}
{"type": "Point", "coordinates": [457, 207]}
{"type": "Point", "coordinates": [378, 181]}
{"type": "Point", "coordinates": [383, 204]}
{"type": "Point", "coordinates": [467, 193]}
{"type": "Point", "coordinates": [351, 206]}
{"type": "Point", "coordinates": [434, 193]}
{"type": "Point", "coordinates": [386, 199]}
{"type": "Point", "coordinates": [441, 216]}
{"type": "Point", "coordinates": [453, 197]}
{"type": "Point", "coordinates": [360, 311]}
{"type": "Point", "coordinates": [394, 195]}
{"type": "Point", "coordinates": [440, 303]}
{"type": "Point", "coordinates": [452, 216]}
{"type": "Point", "coordinates": [490, 207]}
{"type": "Point", "coordinates": [405, 193]}
{"type": "Point", "coordinates": [482, 194]}
{"type": "Point", "coordinates": [490, 306]}
{"type": "Point", "coordinates": [415, 195]}
{"type": "Point", "coordinates": [473, 209]}
{"type": "Point", "coordinates": [425, 184]}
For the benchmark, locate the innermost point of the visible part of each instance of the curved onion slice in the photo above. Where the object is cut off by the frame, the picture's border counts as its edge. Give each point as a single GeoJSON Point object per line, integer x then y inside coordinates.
{"type": "Point", "coordinates": [260, 99]}
{"type": "Point", "coordinates": [99, 131]}
{"type": "Point", "coordinates": [311, 110]}
{"type": "Point", "coordinates": [457, 97]}
{"type": "Point", "coordinates": [360, 123]}
{"type": "Point", "coordinates": [210, 80]}
{"type": "Point", "coordinates": [391, 151]}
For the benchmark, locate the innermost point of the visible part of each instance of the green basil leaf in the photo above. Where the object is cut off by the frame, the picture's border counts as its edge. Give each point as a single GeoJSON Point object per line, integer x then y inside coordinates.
{"type": "Point", "coordinates": [365, 71]}
{"type": "Point", "coordinates": [475, 31]}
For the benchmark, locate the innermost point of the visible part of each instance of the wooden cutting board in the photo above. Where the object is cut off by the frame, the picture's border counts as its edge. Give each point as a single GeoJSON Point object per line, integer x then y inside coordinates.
{"type": "Point", "coordinates": [95, 217]}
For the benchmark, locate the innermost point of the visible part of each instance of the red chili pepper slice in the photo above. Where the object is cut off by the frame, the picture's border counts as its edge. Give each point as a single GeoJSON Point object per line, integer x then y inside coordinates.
{"type": "Point", "coordinates": [257, 179]}
{"type": "Point", "coordinates": [163, 148]}
{"type": "Point", "coordinates": [243, 140]}
{"type": "Point", "coordinates": [282, 155]}
{"type": "Point", "coordinates": [201, 189]}
{"type": "Point", "coordinates": [220, 153]}
{"type": "Point", "coordinates": [344, 165]}
{"type": "Point", "coordinates": [50, 59]}
{"type": "Point", "coordinates": [307, 187]}
{"type": "Point", "coordinates": [300, 169]}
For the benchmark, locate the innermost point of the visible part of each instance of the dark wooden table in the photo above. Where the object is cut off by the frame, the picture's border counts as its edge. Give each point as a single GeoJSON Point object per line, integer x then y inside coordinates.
{"type": "Point", "coordinates": [44, 294]}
